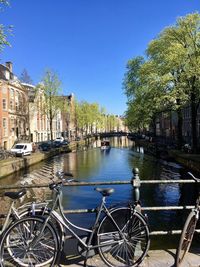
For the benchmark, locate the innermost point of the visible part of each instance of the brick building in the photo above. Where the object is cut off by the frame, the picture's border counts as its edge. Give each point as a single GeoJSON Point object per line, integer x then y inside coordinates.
{"type": "Point", "coordinates": [14, 120]}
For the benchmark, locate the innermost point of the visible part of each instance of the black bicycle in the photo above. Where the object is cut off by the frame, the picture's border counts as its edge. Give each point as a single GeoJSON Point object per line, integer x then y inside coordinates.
{"type": "Point", "coordinates": [5, 154]}
{"type": "Point", "coordinates": [120, 235]}
{"type": "Point", "coordinates": [188, 230]}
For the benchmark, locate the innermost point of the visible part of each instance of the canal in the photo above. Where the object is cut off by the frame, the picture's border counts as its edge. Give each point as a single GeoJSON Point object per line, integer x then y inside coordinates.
{"type": "Point", "coordinates": [91, 164]}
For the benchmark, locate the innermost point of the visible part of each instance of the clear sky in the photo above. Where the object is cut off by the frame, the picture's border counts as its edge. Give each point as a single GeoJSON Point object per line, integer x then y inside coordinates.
{"type": "Point", "coordinates": [87, 42]}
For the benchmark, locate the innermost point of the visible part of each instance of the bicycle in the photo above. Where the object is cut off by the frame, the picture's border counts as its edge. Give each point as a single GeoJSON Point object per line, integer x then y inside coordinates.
{"type": "Point", "coordinates": [5, 154]}
{"type": "Point", "coordinates": [12, 213]}
{"type": "Point", "coordinates": [15, 213]}
{"type": "Point", "coordinates": [120, 235]}
{"type": "Point", "coordinates": [188, 230]}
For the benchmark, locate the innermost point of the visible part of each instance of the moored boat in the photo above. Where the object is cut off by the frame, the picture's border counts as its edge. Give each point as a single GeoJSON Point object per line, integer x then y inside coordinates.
{"type": "Point", "coordinates": [105, 145]}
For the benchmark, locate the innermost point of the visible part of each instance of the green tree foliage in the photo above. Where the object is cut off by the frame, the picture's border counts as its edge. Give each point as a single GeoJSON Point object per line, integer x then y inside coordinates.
{"type": "Point", "coordinates": [4, 31]}
{"type": "Point", "coordinates": [91, 118]}
{"type": "Point", "coordinates": [169, 77]}
{"type": "Point", "coordinates": [177, 52]}
{"type": "Point", "coordinates": [51, 103]}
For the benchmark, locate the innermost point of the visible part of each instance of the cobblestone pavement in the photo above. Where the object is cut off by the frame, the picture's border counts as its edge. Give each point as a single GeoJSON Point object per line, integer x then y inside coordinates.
{"type": "Point", "coordinates": [155, 258]}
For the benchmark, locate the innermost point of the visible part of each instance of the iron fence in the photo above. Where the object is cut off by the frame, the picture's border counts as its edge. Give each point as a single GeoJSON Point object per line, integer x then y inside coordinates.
{"type": "Point", "coordinates": [136, 184]}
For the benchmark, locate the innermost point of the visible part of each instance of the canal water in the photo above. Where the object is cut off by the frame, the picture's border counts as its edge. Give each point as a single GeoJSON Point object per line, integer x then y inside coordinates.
{"type": "Point", "coordinates": [91, 164]}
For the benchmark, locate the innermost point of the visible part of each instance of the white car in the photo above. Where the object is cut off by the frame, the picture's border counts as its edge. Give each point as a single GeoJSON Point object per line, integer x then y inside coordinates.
{"type": "Point", "coordinates": [59, 139]}
{"type": "Point", "coordinates": [22, 149]}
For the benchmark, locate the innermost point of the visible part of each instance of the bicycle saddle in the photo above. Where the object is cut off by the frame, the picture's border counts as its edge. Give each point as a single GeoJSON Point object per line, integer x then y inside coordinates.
{"type": "Point", "coordinates": [105, 191]}
{"type": "Point", "coordinates": [15, 195]}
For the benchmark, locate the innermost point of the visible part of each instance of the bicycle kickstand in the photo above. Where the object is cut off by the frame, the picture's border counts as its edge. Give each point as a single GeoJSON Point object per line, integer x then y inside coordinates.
{"type": "Point", "coordinates": [86, 257]}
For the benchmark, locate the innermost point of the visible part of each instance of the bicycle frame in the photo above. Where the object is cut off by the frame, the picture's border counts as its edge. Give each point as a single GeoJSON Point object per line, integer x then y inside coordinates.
{"type": "Point", "coordinates": [197, 207]}
{"type": "Point", "coordinates": [121, 232]}
{"type": "Point", "coordinates": [188, 229]}
{"type": "Point", "coordinates": [62, 219]}
{"type": "Point", "coordinates": [17, 213]}
{"type": "Point", "coordinates": [12, 210]}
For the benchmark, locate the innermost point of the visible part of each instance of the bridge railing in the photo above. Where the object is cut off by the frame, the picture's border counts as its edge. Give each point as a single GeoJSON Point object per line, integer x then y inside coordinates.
{"type": "Point", "coordinates": [135, 182]}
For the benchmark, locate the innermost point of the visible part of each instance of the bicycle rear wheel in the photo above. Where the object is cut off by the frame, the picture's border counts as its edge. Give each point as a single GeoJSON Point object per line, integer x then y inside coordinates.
{"type": "Point", "coordinates": [2, 156]}
{"type": "Point", "coordinates": [186, 238]}
{"type": "Point", "coordinates": [42, 212]}
{"type": "Point", "coordinates": [19, 245]}
{"type": "Point", "coordinates": [127, 244]}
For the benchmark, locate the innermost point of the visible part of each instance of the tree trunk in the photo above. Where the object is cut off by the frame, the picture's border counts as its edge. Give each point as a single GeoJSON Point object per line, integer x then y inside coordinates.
{"type": "Point", "coordinates": [154, 125]}
{"type": "Point", "coordinates": [180, 125]}
{"type": "Point", "coordinates": [51, 128]}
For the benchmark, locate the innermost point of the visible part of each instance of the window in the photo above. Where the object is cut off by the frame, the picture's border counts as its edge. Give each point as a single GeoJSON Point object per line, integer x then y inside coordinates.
{"type": "Point", "coordinates": [12, 124]}
{"type": "Point", "coordinates": [4, 104]}
{"type": "Point", "coordinates": [4, 90]}
{"type": "Point", "coordinates": [16, 106]}
{"type": "Point", "coordinates": [7, 74]}
{"type": "Point", "coordinates": [11, 105]}
{"type": "Point", "coordinates": [12, 93]}
{"type": "Point", "coordinates": [4, 123]}
{"type": "Point", "coordinates": [4, 126]}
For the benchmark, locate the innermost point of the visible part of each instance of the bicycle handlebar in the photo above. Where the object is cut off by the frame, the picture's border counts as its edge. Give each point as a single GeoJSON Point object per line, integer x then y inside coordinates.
{"type": "Point", "coordinates": [55, 184]}
{"type": "Point", "coordinates": [193, 177]}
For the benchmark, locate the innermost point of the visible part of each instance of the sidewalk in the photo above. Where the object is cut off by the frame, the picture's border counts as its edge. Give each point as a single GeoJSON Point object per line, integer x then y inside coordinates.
{"type": "Point", "coordinates": [155, 258]}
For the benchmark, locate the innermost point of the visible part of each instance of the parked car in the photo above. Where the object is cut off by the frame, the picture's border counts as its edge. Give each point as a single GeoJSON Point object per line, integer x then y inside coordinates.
{"type": "Point", "coordinates": [57, 144]}
{"type": "Point", "coordinates": [45, 146]}
{"type": "Point", "coordinates": [22, 149]}
{"type": "Point", "coordinates": [59, 139]}
{"type": "Point", "coordinates": [65, 143]}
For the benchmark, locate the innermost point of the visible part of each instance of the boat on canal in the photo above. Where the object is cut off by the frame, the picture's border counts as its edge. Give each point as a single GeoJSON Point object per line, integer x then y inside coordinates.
{"type": "Point", "coordinates": [105, 145]}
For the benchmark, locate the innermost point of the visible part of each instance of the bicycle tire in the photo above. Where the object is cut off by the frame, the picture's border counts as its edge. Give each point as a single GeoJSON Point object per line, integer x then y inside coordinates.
{"type": "Point", "coordinates": [129, 249]}
{"type": "Point", "coordinates": [43, 213]}
{"type": "Point", "coordinates": [17, 247]}
{"type": "Point", "coordinates": [186, 238]}
{"type": "Point", "coordinates": [2, 156]}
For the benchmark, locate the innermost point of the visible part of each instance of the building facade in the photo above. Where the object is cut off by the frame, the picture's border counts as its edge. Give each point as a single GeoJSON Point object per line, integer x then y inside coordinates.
{"type": "Point", "coordinates": [14, 119]}
{"type": "Point", "coordinates": [39, 122]}
{"type": "Point", "coordinates": [167, 125]}
{"type": "Point", "coordinates": [68, 117]}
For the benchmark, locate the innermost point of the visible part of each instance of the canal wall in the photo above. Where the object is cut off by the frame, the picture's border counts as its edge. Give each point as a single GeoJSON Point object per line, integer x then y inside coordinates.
{"type": "Point", "coordinates": [12, 165]}
{"type": "Point", "coordinates": [191, 161]}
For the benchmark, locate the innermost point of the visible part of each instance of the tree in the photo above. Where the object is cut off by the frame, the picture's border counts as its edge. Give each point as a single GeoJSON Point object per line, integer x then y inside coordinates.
{"type": "Point", "coordinates": [51, 104]}
{"type": "Point", "coordinates": [25, 77]}
{"type": "Point", "coordinates": [177, 52]}
{"type": "Point", "coordinates": [132, 81]}
{"type": "Point", "coordinates": [142, 93]}
{"type": "Point", "coordinates": [169, 77]}
{"type": "Point", "coordinates": [89, 117]}
{"type": "Point", "coordinates": [4, 31]}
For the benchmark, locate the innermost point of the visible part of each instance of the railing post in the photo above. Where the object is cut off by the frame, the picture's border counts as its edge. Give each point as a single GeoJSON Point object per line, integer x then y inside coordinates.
{"type": "Point", "coordinates": [136, 184]}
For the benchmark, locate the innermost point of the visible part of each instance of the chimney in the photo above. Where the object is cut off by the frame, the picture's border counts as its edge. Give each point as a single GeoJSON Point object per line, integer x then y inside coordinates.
{"type": "Point", "coordinates": [9, 65]}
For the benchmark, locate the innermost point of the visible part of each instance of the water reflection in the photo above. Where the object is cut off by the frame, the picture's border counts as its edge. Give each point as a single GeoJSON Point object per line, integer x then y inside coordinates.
{"type": "Point", "coordinates": [92, 165]}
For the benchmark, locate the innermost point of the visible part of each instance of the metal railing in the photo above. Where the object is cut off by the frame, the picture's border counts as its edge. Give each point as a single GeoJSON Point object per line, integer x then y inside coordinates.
{"type": "Point", "coordinates": [135, 182]}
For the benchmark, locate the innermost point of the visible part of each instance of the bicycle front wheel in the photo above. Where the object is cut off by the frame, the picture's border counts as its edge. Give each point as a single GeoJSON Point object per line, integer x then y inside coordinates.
{"type": "Point", "coordinates": [186, 238]}
{"type": "Point", "coordinates": [25, 244]}
{"type": "Point", "coordinates": [124, 241]}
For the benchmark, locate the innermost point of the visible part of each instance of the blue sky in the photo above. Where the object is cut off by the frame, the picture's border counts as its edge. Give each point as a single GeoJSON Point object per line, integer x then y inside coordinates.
{"type": "Point", "coordinates": [87, 42]}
